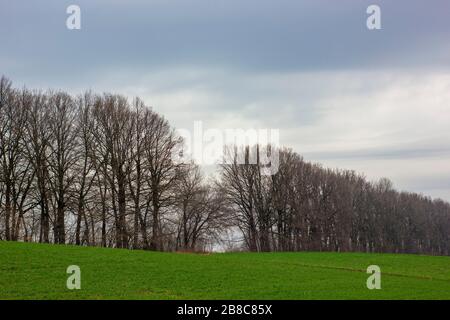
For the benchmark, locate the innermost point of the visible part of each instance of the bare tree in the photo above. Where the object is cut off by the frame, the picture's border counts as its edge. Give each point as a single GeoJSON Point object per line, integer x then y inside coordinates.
{"type": "Point", "coordinates": [159, 147]}
{"type": "Point", "coordinates": [114, 136]}
{"type": "Point", "coordinates": [84, 171]}
{"type": "Point", "coordinates": [37, 145]}
{"type": "Point", "coordinates": [63, 155]}
{"type": "Point", "coordinates": [201, 212]}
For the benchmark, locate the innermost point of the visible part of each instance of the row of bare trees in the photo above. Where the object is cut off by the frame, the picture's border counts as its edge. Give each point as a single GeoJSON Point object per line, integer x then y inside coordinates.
{"type": "Point", "coordinates": [307, 207]}
{"type": "Point", "coordinates": [98, 170]}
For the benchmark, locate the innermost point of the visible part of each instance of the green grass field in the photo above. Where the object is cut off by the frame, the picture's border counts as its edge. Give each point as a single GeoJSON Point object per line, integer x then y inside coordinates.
{"type": "Point", "coordinates": [37, 271]}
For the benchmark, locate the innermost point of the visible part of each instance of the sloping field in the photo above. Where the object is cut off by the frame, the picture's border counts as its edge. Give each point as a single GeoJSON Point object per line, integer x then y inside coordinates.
{"type": "Point", "coordinates": [38, 271]}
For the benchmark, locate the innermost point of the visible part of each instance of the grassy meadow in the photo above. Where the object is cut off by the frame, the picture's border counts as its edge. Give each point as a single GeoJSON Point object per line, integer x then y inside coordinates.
{"type": "Point", "coordinates": [38, 271]}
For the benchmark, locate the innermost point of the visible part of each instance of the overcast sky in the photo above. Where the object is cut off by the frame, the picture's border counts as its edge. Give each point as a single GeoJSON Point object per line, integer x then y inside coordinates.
{"type": "Point", "coordinates": [374, 101]}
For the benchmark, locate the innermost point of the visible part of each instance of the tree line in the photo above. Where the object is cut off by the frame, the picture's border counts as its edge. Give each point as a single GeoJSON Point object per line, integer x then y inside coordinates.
{"type": "Point", "coordinates": [307, 207]}
{"type": "Point", "coordinates": [97, 170]}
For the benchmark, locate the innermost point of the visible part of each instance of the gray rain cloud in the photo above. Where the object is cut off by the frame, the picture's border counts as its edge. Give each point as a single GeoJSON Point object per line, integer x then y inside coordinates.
{"type": "Point", "coordinates": [374, 101]}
